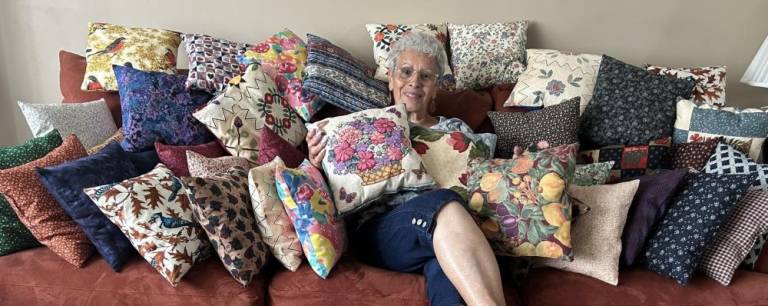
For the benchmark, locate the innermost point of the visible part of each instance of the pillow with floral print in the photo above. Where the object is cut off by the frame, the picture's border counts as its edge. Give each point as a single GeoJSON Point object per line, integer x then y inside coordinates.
{"type": "Point", "coordinates": [710, 82]}
{"type": "Point", "coordinates": [90, 121]}
{"type": "Point", "coordinates": [212, 61]}
{"type": "Point", "coordinates": [484, 55]}
{"type": "Point", "coordinates": [154, 211]}
{"type": "Point", "coordinates": [203, 166]}
{"type": "Point", "coordinates": [140, 48]}
{"type": "Point", "coordinates": [369, 154]}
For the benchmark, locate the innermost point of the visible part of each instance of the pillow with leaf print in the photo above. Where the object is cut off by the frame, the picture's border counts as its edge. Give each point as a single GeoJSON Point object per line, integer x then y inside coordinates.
{"type": "Point", "coordinates": [710, 82]}
{"type": "Point", "coordinates": [212, 61]}
{"type": "Point", "coordinates": [154, 211]}
{"type": "Point", "coordinates": [369, 154]}
{"type": "Point", "coordinates": [521, 205]}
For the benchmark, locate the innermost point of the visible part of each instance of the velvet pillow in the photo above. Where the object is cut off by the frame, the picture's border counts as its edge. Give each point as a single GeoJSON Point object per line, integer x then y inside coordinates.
{"type": "Point", "coordinates": [175, 157]}
{"type": "Point", "coordinates": [143, 161]}
{"type": "Point", "coordinates": [39, 211]}
{"type": "Point", "coordinates": [710, 82]}
{"type": "Point", "coordinates": [202, 166]}
{"type": "Point", "coordinates": [272, 145]}
{"type": "Point", "coordinates": [631, 161]}
{"type": "Point", "coordinates": [727, 160]}
{"type": "Point", "coordinates": [309, 205]}
{"type": "Point", "coordinates": [93, 170]}
{"type": "Point", "coordinates": [222, 206]}
{"type": "Point", "coordinates": [693, 155]}
{"type": "Point", "coordinates": [90, 121]}
{"type": "Point", "coordinates": [71, 72]}
{"type": "Point", "coordinates": [212, 61]}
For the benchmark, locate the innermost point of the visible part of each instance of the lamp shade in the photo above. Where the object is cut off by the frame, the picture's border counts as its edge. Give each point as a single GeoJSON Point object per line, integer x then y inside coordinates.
{"type": "Point", "coordinates": [757, 72]}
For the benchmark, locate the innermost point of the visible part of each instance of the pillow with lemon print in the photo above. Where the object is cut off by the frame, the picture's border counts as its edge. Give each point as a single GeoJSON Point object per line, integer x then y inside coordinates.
{"type": "Point", "coordinates": [521, 204]}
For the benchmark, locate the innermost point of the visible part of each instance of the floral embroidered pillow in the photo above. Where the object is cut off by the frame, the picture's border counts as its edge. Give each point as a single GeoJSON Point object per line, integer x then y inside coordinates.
{"type": "Point", "coordinates": [710, 82]}
{"type": "Point", "coordinates": [309, 205]}
{"type": "Point", "coordinates": [154, 211]}
{"type": "Point", "coordinates": [212, 61]}
{"type": "Point", "coordinates": [140, 48]}
{"type": "Point", "coordinates": [203, 166]}
{"type": "Point", "coordinates": [369, 154]}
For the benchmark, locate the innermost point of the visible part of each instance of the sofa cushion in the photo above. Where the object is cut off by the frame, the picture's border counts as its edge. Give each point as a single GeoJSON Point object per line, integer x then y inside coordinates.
{"type": "Point", "coordinates": [457, 104]}
{"type": "Point", "coordinates": [71, 72]}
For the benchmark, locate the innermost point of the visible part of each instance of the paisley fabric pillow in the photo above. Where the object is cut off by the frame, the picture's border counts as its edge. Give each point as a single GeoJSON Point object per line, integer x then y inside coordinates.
{"type": "Point", "coordinates": [369, 154]}
{"type": "Point", "coordinates": [521, 204]}
{"type": "Point", "coordinates": [202, 166]}
{"type": "Point", "coordinates": [90, 121]}
{"type": "Point", "coordinates": [710, 82]}
{"type": "Point", "coordinates": [175, 157]}
{"type": "Point", "coordinates": [631, 161]}
{"type": "Point", "coordinates": [309, 205]}
{"type": "Point", "coordinates": [141, 48]}
{"type": "Point", "coordinates": [154, 211]}
{"type": "Point", "coordinates": [212, 61]}
{"type": "Point", "coordinates": [222, 206]}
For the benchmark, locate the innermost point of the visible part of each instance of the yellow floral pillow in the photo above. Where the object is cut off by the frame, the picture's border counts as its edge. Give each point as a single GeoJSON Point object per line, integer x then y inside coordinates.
{"type": "Point", "coordinates": [141, 48]}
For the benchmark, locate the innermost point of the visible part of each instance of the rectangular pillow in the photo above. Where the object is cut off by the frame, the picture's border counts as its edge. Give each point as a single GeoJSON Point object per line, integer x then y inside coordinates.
{"type": "Point", "coordinates": [631, 161]}
{"type": "Point", "coordinates": [710, 82]}
{"type": "Point", "coordinates": [90, 121]}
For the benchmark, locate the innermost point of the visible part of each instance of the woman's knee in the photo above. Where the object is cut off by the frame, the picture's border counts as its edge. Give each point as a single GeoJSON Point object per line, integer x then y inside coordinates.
{"type": "Point", "coordinates": [453, 209]}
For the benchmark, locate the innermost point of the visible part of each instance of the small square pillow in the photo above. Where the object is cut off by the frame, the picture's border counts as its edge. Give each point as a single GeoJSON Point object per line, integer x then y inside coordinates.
{"type": "Point", "coordinates": [91, 121]}
{"type": "Point", "coordinates": [737, 235]}
{"type": "Point", "coordinates": [630, 105]}
{"type": "Point", "coordinates": [693, 155]}
{"type": "Point", "coordinates": [212, 61]}
{"type": "Point", "coordinates": [157, 106]}
{"type": "Point", "coordinates": [521, 204]}
{"type": "Point", "coordinates": [728, 160]}
{"type": "Point", "coordinates": [222, 206]}
{"type": "Point", "coordinates": [71, 72]}
{"type": "Point", "coordinates": [175, 157]}
{"type": "Point", "coordinates": [202, 166]}
{"type": "Point", "coordinates": [141, 48]}
{"type": "Point", "coordinates": [553, 77]}
{"type": "Point", "coordinates": [309, 205]}
{"type": "Point", "coordinates": [39, 212]}
{"type": "Point", "coordinates": [273, 221]}
{"type": "Point", "coordinates": [272, 145]}
{"type": "Point", "coordinates": [116, 137]}
{"type": "Point", "coordinates": [596, 237]}
{"type": "Point", "coordinates": [369, 154]}
{"type": "Point", "coordinates": [385, 35]}
{"type": "Point", "coordinates": [143, 161]}
{"type": "Point", "coordinates": [592, 174]}
{"type": "Point", "coordinates": [154, 211]}
{"type": "Point", "coordinates": [744, 129]}
{"type": "Point", "coordinates": [691, 222]}
{"type": "Point", "coordinates": [710, 82]}
{"type": "Point", "coordinates": [93, 170]}
{"type": "Point", "coordinates": [631, 161]}
{"type": "Point", "coordinates": [283, 57]}
{"type": "Point", "coordinates": [340, 79]}
{"type": "Point", "coordinates": [558, 125]}
{"type": "Point", "coordinates": [15, 236]}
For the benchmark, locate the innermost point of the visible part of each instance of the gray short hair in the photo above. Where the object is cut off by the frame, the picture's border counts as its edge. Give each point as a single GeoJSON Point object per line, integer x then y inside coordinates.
{"type": "Point", "coordinates": [422, 43]}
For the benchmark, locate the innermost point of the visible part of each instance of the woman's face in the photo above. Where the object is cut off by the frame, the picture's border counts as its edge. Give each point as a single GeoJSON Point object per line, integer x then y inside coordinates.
{"type": "Point", "coordinates": [414, 81]}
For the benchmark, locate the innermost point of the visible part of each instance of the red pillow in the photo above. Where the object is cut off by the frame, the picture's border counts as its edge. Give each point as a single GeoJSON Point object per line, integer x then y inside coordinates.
{"type": "Point", "coordinates": [71, 72]}
{"type": "Point", "coordinates": [39, 212]}
{"type": "Point", "coordinates": [175, 157]}
{"type": "Point", "coordinates": [470, 106]}
{"type": "Point", "coordinates": [272, 145]}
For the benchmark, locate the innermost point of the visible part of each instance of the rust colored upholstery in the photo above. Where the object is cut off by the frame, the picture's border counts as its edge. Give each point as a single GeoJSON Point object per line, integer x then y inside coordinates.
{"type": "Point", "coordinates": [762, 261]}
{"type": "Point", "coordinates": [468, 105]}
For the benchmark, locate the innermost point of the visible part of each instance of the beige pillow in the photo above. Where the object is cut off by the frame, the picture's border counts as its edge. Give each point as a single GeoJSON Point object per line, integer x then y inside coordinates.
{"type": "Point", "coordinates": [201, 166]}
{"type": "Point", "coordinates": [596, 235]}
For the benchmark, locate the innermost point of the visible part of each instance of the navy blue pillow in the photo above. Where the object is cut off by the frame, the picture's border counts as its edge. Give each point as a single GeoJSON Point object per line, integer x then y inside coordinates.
{"type": "Point", "coordinates": [692, 221]}
{"type": "Point", "coordinates": [66, 182]}
{"type": "Point", "coordinates": [144, 161]}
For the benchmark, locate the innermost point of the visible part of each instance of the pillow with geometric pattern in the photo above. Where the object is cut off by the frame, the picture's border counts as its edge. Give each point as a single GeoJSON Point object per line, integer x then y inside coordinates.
{"type": "Point", "coordinates": [631, 161]}
{"type": "Point", "coordinates": [728, 160]}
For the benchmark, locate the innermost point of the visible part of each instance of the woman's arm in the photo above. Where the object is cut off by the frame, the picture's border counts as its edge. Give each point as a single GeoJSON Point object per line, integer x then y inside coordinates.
{"type": "Point", "coordinates": [316, 141]}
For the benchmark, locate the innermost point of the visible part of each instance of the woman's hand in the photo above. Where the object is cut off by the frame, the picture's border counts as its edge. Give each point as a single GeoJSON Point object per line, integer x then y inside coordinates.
{"type": "Point", "coordinates": [316, 141]}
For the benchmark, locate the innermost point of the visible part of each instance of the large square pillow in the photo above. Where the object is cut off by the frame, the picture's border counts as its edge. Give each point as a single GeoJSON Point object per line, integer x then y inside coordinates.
{"type": "Point", "coordinates": [484, 55]}
{"type": "Point", "coordinates": [212, 61]}
{"type": "Point", "coordinates": [691, 222]}
{"type": "Point", "coordinates": [202, 166]}
{"type": "Point", "coordinates": [338, 78]}
{"type": "Point", "coordinates": [91, 121]}
{"type": "Point", "coordinates": [157, 106]}
{"type": "Point", "coordinates": [521, 204]}
{"type": "Point", "coordinates": [71, 72]}
{"type": "Point", "coordinates": [631, 161]}
{"type": "Point", "coordinates": [553, 77]}
{"type": "Point", "coordinates": [154, 211]}
{"type": "Point", "coordinates": [144, 161]}
{"type": "Point", "coordinates": [175, 157]}
{"type": "Point", "coordinates": [140, 48]}
{"type": "Point", "coordinates": [744, 129]}
{"type": "Point", "coordinates": [710, 82]}
{"type": "Point", "coordinates": [596, 237]}
{"type": "Point", "coordinates": [727, 160]}
{"type": "Point", "coordinates": [630, 105]}
{"type": "Point", "coordinates": [693, 155]}
{"type": "Point", "coordinates": [369, 154]}
{"type": "Point", "coordinates": [309, 205]}
{"type": "Point", "coordinates": [272, 145]}
{"type": "Point", "coordinates": [39, 212]}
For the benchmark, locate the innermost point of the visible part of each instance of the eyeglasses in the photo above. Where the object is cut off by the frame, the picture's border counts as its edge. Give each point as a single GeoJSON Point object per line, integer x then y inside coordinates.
{"type": "Point", "coordinates": [406, 73]}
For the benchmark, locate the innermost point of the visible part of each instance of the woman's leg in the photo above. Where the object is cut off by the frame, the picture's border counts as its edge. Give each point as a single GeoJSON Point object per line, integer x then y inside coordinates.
{"type": "Point", "coordinates": [466, 257]}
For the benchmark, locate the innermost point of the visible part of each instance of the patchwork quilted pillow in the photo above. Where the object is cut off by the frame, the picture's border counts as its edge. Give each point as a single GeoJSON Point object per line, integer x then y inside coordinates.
{"type": "Point", "coordinates": [91, 122]}
{"type": "Point", "coordinates": [154, 211]}
{"type": "Point", "coordinates": [309, 205]}
{"type": "Point", "coordinates": [39, 212]}
{"type": "Point", "coordinates": [273, 221]}
{"type": "Point", "coordinates": [143, 161]}
{"type": "Point", "coordinates": [744, 129]}
{"type": "Point", "coordinates": [728, 160]}
{"type": "Point", "coordinates": [140, 48]}
{"type": "Point", "coordinates": [484, 55]}
{"type": "Point", "coordinates": [15, 236]}
{"type": "Point", "coordinates": [592, 174]}
{"type": "Point", "coordinates": [693, 155]}
{"type": "Point", "coordinates": [631, 161]}
{"type": "Point", "coordinates": [272, 145]}
{"type": "Point", "coordinates": [630, 105]}
{"type": "Point", "coordinates": [340, 79]}
{"type": "Point", "coordinates": [157, 106]}
{"type": "Point", "coordinates": [222, 206]}
{"type": "Point", "coordinates": [385, 35]}
{"type": "Point", "coordinates": [284, 57]}
{"type": "Point", "coordinates": [116, 137]}
{"type": "Point", "coordinates": [202, 166]}
{"type": "Point", "coordinates": [521, 204]}
{"type": "Point", "coordinates": [553, 77]}
{"type": "Point", "coordinates": [689, 226]}
{"type": "Point", "coordinates": [369, 154]}
{"type": "Point", "coordinates": [175, 157]}
{"type": "Point", "coordinates": [710, 82]}
{"type": "Point", "coordinates": [212, 61]}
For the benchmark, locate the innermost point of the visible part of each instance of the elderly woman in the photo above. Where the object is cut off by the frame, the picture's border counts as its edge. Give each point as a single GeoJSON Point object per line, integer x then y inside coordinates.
{"type": "Point", "coordinates": [429, 232]}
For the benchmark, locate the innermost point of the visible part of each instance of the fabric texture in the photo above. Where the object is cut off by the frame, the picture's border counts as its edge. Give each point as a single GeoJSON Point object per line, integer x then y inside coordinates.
{"type": "Point", "coordinates": [144, 161]}
{"type": "Point", "coordinates": [630, 105]}
{"type": "Point", "coordinates": [727, 160]}
{"type": "Point", "coordinates": [592, 174]}
{"type": "Point", "coordinates": [453, 104]}
{"type": "Point", "coordinates": [212, 61]}
{"type": "Point", "coordinates": [710, 82]}
{"type": "Point", "coordinates": [117, 137]}
{"type": "Point", "coordinates": [756, 255]}
{"type": "Point", "coordinates": [272, 145]}
{"type": "Point", "coordinates": [202, 166]}
{"type": "Point", "coordinates": [483, 55]}
{"type": "Point", "coordinates": [71, 72]}
{"type": "Point", "coordinates": [693, 155]}
{"type": "Point", "coordinates": [90, 121]}
{"type": "Point", "coordinates": [631, 161]}
{"type": "Point", "coordinates": [175, 157]}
